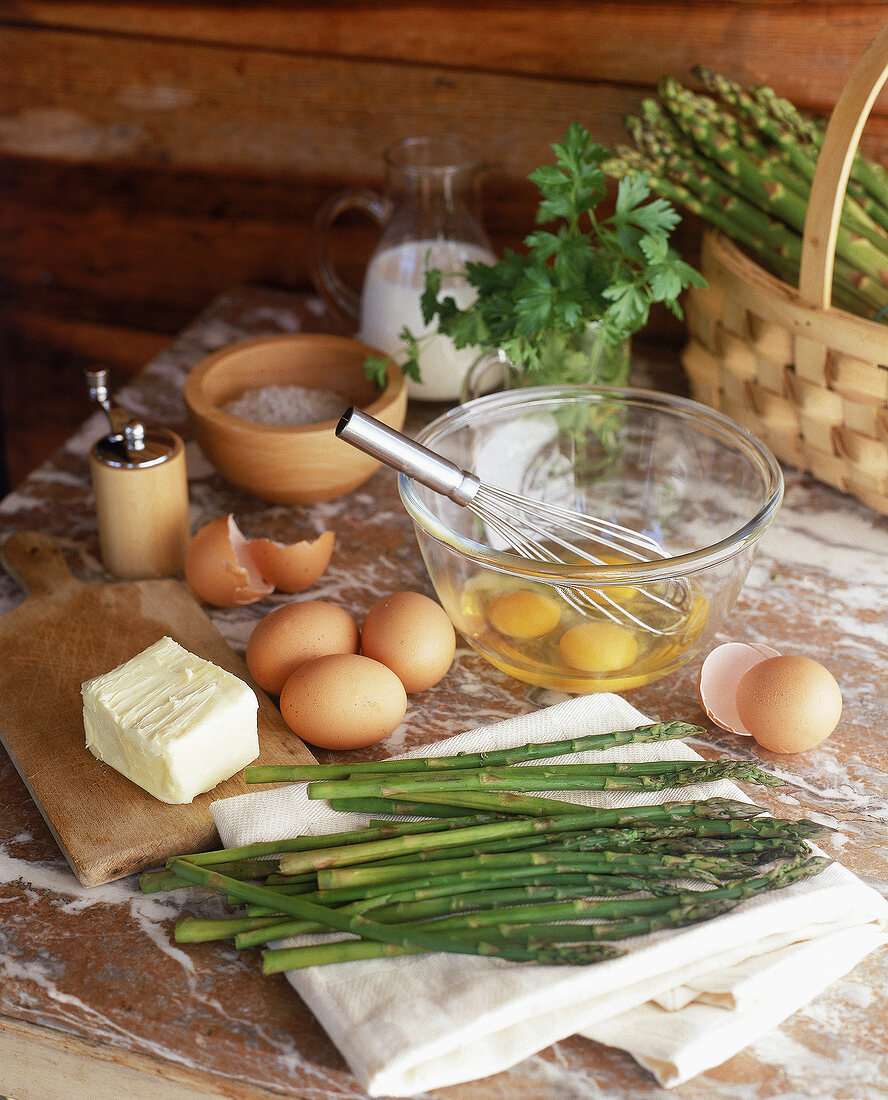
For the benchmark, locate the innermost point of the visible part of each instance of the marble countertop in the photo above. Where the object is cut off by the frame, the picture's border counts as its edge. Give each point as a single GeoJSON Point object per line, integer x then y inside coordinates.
{"type": "Point", "coordinates": [96, 999]}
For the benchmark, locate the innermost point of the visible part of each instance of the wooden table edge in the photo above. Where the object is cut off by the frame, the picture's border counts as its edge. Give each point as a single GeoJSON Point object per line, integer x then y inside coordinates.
{"type": "Point", "coordinates": [41, 1063]}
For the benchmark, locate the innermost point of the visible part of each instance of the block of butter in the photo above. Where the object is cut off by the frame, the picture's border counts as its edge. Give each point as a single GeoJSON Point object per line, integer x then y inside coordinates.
{"type": "Point", "coordinates": [172, 722]}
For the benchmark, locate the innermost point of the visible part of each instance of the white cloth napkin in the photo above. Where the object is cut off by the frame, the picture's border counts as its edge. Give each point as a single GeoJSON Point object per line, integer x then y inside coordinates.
{"type": "Point", "coordinates": [680, 1001]}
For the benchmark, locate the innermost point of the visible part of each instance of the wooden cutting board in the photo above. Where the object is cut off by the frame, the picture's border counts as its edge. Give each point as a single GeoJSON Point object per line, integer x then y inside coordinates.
{"type": "Point", "coordinates": [65, 632]}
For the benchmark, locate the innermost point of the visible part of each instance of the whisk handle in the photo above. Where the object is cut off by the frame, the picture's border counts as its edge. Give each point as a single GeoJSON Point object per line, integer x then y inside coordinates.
{"type": "Point", "coordinates": [404, 454]}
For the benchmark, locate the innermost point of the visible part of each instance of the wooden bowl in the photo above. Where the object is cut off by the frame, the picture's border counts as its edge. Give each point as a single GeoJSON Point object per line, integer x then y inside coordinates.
{"type": "Point", "coordinates": [293, 464]}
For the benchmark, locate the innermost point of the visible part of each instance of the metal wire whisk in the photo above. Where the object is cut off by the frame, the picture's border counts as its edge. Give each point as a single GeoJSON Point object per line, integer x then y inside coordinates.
{"type": "Point", "coordinates": [531, 528]}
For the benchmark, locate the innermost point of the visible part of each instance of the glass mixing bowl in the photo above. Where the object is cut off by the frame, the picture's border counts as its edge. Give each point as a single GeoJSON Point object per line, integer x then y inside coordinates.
{"type": "Point", "coordinates": [698, 485]}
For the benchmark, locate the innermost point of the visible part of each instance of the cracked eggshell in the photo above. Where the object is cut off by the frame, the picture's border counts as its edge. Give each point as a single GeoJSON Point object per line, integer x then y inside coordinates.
{"type": "Point", "coordinates": [219, 567]}
{"type": "Point", "coordinates": [720, 676]}
{"type": "Point", "coordinates": [294, 567]}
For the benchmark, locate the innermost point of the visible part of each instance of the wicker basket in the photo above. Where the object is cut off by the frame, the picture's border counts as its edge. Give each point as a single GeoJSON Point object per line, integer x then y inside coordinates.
{"type": "Point", "coordinates": [809, 380]}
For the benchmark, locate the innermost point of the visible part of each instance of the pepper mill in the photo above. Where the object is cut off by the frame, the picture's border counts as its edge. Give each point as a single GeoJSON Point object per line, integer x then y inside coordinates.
{"type": "Point", "coordinates": [141, 490]}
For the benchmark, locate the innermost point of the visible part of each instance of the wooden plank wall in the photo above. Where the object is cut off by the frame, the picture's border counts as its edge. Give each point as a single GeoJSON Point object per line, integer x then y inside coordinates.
{"type": "Point", "coordinates": [155, 152]}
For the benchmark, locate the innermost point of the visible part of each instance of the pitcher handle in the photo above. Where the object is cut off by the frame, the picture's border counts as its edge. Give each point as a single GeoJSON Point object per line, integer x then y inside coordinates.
{"type": "Point", "coordinates": [489, 372]}
{"type": "Point", "coordinates": [338, 295]}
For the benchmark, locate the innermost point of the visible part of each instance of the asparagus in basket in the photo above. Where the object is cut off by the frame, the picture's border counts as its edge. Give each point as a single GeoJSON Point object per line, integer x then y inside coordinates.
{"type": "Point", "coordinates": [743, 160]}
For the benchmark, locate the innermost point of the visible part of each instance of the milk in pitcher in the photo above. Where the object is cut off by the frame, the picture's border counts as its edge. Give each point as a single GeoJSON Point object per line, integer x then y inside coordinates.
{"type": "Point", "coordinates": [391, 299]}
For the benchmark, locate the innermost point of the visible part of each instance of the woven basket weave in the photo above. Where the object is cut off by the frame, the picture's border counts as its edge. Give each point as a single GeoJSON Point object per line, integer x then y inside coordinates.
{"type": "Point", "coordinates": [809, 380]}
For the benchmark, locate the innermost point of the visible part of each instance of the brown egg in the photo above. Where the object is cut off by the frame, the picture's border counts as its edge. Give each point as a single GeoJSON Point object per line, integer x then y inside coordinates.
{"type": "Point", "coordinates": [413, 636]}
{"type": "Point", "coordinates": [292, 567]}
{"type": "Point", "coordinates": [789, 703]}
{"type": "Point", "coordinates": [219, 567]}
{"type": "Point", "coordinates": [293, 634]}
{"type": "Point", "coordinates": [343, 701]}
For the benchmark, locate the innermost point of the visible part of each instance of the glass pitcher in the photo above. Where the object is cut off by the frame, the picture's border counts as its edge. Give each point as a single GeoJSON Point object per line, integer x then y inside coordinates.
{"type": "Point", "coordinates": [429, 217]}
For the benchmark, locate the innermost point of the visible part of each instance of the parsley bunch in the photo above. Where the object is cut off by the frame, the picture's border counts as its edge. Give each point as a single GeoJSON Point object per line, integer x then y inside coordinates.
{"type": "Point", "coordinates": [583, 268]}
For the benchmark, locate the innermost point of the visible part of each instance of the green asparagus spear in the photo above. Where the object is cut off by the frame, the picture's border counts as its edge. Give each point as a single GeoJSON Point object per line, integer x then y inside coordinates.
{"type": "Point", "coordinates": [646, 775]}
{"type": "Point", "coordinates": [350, 852]}
{"type": "Point", "coordinates": [640, 910]}
{"type": "Point", "coordinates": [396, 935]}
{"type": "Point", "coordinates": [329, 840]}
{"type": "Point", "coordinates": [659, 731]}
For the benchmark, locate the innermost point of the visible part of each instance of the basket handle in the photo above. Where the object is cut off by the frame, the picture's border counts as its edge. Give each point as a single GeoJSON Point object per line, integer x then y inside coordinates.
{"type": "Point", "coordinates": [833, 169]}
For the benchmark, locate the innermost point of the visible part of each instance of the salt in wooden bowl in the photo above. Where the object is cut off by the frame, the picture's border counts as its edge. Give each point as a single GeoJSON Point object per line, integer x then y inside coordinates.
{"type": "Point", "coordinates": [291, 463]}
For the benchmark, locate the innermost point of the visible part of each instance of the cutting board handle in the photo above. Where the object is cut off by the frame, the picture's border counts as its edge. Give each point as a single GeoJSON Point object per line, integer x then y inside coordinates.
{"type": "Point", "coordinates": [36, 562]}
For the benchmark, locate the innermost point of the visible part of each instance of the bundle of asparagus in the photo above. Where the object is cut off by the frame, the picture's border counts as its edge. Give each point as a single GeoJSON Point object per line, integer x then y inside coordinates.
{"type": "Point", "coordinates": [743, 159]}
{"type": "Point", "coordinates": [523, 878]}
